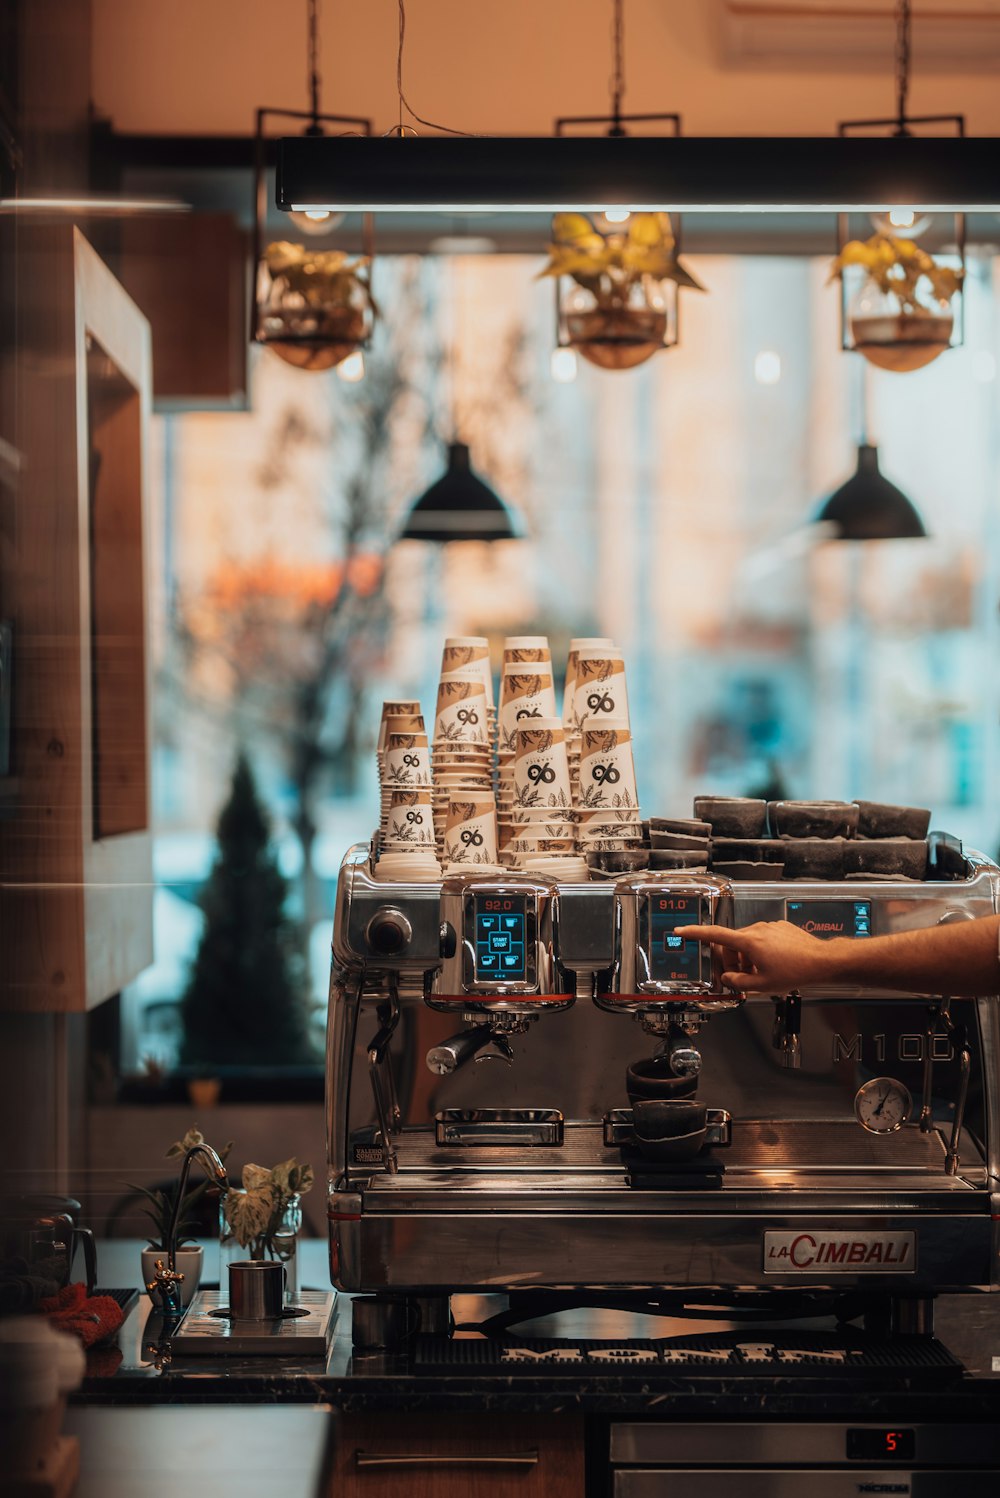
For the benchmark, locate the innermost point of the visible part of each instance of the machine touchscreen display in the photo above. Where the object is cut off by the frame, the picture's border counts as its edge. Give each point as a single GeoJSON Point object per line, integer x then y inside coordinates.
{"type": "Point", "coordinates": [828, 918]}
{"type": "Point", "coordinates": [671, 958]}
{"type": "Point", "coordinates": [500, 938]}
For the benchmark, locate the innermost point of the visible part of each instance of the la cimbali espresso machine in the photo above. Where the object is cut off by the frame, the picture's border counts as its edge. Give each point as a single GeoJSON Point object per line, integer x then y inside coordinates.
{"type": "Point", "coordinates": [539, 1089]}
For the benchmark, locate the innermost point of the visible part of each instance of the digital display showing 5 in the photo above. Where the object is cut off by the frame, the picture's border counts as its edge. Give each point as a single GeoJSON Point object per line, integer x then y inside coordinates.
{"type": "Point", "coordinates": [501, 922]}
{"type": "Point", "coordinates": [671, 958]}
{"type": "Point", "coordinates": [828, 918]}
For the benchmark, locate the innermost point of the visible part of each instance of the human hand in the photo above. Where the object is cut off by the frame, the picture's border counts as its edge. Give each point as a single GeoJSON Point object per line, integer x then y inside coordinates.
{"type": "Point", "coordinates": [772, 957]}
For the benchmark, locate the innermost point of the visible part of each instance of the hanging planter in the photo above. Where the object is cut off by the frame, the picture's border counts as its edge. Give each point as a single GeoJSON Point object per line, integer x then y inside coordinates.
{"type": "Point", "coordinates": [314, 307]}
{"type": "Point", "coordinates": [616, 291]}
{"type": "Point", "coordinates": [897, 301]}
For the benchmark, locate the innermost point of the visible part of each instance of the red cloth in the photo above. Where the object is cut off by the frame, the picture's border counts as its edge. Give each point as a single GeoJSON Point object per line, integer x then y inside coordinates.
{"type": "Point", "coordinates": [92, 1318]}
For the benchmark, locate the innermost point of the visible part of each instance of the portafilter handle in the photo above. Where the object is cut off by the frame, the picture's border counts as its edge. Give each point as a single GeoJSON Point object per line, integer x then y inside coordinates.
{"type": "Point", "coordinates": [447, 1057]}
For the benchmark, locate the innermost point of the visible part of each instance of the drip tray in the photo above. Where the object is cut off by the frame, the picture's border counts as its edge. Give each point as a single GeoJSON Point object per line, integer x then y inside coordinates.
{"type": "Point", "coordinates": [203, 1332]}
{"type": "Point", "coordinates": [797, 1355]}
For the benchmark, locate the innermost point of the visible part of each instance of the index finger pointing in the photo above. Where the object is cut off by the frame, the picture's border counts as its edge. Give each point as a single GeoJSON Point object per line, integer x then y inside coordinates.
{"type": "Point", "coordinates": [721, 936]}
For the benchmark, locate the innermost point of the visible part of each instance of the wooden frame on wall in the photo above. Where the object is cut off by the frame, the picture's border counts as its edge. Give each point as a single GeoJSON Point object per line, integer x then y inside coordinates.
{"type": "Point", "coordinates": [76, 857]}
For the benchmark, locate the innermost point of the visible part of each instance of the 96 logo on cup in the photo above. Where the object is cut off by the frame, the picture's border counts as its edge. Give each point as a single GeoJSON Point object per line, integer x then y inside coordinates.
{"type": "Point", "coordinates": [529, 712]}
{"type": "Point", "coordinates": [609, 773]}
{"type": "Point", "coordinates": [543, 774]}
{"type": "Point", "coordinates": [467, 715]}
{"type": "Point", "coordinates": [411, 759]}
{"type": "Point", "coordinates": [415, 816]}
{"type": "Point", "coordinates": [471, 837]}
{"type": "Point", "coordinates": [598, 703]}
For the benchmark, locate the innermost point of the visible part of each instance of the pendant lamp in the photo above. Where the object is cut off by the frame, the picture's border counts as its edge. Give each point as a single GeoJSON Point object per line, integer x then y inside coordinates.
{"type": "Point", "coordinates": [460, 507]}
{"type": "Point", "coordinates": [901, 303]}
{"type": "Point", "coordinates": [617, 274]}
{"type": "Point", "coordinates": [312, 306]}
{"type": "Point", "coordinates": [868, 507]}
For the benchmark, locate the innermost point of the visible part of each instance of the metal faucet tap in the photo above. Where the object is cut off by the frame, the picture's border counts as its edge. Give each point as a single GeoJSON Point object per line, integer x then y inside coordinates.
{"type": "Point", "coordinates": [167, 1280]}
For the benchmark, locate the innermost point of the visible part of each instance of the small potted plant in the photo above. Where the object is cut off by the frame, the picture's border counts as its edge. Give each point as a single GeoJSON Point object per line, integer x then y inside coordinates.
{"type": "Point", "coordinates": [624, 284]}
{"type": "Point", "coordinates": [264, 1217]}
{"type": "Point", "coordinates": [900, 315]}
{"type": "Point", "coordinates": [159, 1207]}
{"type": "Point", "coordinates": [316, 306]}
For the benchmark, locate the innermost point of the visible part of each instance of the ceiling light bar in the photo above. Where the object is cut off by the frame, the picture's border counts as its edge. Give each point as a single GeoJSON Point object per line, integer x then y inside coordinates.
{"type": "Point", "coordinates": [525, 174]}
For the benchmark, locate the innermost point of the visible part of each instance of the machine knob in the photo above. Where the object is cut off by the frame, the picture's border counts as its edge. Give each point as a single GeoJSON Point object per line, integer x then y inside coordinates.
{"type": "Point", "coordinates": [952, 917]}
{"type": "Point", "coordinates": [389, 932]}
{"type": "Point", "coordinates": [448, 941]}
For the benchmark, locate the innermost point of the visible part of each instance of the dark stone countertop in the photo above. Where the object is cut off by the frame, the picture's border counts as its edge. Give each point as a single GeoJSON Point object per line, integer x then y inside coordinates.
{"type": "Point", "coordinates": [130, 1372]}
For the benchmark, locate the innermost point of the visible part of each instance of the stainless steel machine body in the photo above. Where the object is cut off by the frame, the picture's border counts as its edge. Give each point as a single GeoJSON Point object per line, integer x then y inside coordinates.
{"type": "Point", "coordinates": [859, 1132]}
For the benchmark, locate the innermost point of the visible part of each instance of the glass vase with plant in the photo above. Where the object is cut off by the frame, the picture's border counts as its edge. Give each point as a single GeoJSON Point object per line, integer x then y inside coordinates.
{"type": "Point", "coordinates": [316, 306]}
{"type": "Point", "coordinates": [158, 1207]}
{"type": "Point", "coordinates": [622, 299]}
{"type": "Point", "coordinates": [263, 1218]}
{"type": "Point", "coordinates": [900, 313]}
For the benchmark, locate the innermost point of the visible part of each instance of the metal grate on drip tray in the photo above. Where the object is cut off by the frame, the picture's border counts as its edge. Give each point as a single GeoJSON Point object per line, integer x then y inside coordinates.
{"type": "Point", "coordinates": [736, 1354]}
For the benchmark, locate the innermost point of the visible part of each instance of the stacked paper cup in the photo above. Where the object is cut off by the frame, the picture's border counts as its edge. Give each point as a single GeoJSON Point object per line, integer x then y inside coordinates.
{"type": "Point", "coordinates": [408, 851]}
{"type": "Point", "coordinates": [526, 694]}
{"type": "Point", "coordinates": [470, 836]}
{"type": "Point", "coordinates": [544, 823]}
{"type": "Point", "coordinates": [468, 656]}
{"type": "Point", "coordinates": [462, 758]}
{"type": "Point", "coordinates": [609, 802]}
{"type": "Point", "coordinates": [577, 647]}
{"type": "Point", "coordinates": [398, 716]}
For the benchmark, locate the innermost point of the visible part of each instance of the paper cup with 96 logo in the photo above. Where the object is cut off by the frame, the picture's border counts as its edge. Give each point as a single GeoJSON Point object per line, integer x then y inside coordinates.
{"type": "Point", "coordinates": [524, 696]}
{"type": "Point", "coordinates": [582, 645]}
{"type": "Point", "coordinates": [541, 772]}
{"type": "Point", "coordinates": [398, 721]}
{"type": "Point", "coordinates": [407, 761]}
{"type": "Point", "coordinates": [471, 832]}
{"type": "Point", "coordinates": [599, 695]}
{"type": "Point", "coordinates": [461, 714]}
{"type": "Point", "coordinates": [607, 774]}
{"type": "Point", "coordinates": [410, 821]}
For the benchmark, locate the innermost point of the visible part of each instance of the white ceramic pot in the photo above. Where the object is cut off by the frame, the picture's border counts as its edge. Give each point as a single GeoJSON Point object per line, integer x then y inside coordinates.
{"type": "Point", "coordinates": [189, 1264]}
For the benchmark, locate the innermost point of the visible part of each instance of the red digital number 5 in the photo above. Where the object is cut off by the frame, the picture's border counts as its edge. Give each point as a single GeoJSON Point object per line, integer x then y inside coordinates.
{"type": "Point", "coordinates": [890, 1441]}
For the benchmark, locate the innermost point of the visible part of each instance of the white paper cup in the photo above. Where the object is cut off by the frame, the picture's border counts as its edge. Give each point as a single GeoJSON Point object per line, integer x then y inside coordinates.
{"type": "Point", "coordinates": [410, 820]}
{"type": "Point", "coordinates": [600, 696]}
{"type": "Point", "coordinates": [407, 761]}
{"type": "Point", "coordinates": [607, 774]}
{"type": "Point", "coordinates": [524, 696]}
{"type": "Point", "coordinates": [461, 714]}
{"type": "Point", "coordinates": [471, 832]}
{"type": "Point", "coordinates": [541, 770]}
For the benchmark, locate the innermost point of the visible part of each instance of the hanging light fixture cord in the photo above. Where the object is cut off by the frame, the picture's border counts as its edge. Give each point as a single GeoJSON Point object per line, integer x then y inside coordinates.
{"type": "Point", "coordinates": [404, 103]}
{"type": "Point", "coordinates": [903, 20]}
{"type": "Point", "coordinates": [618, 76]}
{"type": "Point", "coordinates": [313, 80]}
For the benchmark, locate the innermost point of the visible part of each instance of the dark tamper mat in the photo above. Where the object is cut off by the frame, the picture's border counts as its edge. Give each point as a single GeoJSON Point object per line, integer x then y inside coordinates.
{"type": "Point", "coordinates": [703, 1173]}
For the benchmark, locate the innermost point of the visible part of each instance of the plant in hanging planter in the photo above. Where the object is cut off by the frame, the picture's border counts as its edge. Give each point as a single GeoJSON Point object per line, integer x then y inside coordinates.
{"type": "Point", "coordinates": [316, 305]}
{"type": "Point", "coordinates": [617, 313]}
{"type": "Point", "coordinates": [159, 1207]}
{"type": "Point", "coordinates": [257, 1216]}
{"type": "Point", "coordinates": [901, 315]}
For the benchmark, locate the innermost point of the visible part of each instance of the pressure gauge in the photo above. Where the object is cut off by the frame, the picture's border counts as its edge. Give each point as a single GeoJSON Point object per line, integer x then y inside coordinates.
{"type": "Point", "coordinates": [882, 1105]}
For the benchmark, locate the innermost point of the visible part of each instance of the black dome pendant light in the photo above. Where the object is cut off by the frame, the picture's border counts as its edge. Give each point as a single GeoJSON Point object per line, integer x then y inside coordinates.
{"type": "Point", "coordinates": [460, 507]}
{"type": "Point", "coordinates": [868, 507]}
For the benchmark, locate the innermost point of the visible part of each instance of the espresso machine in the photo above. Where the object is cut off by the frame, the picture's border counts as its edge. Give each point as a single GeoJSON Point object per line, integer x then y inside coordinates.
{"type": "Point", "coordinates": [481, 1138]}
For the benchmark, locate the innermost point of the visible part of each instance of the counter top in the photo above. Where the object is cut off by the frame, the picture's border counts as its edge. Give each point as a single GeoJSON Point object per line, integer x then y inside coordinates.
{"type": "Point", "coordinates": [138, 1369]}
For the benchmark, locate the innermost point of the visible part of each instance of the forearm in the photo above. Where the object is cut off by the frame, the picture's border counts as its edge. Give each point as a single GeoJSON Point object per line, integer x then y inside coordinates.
{"type": "Point", "coordinates": [958, 959]}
